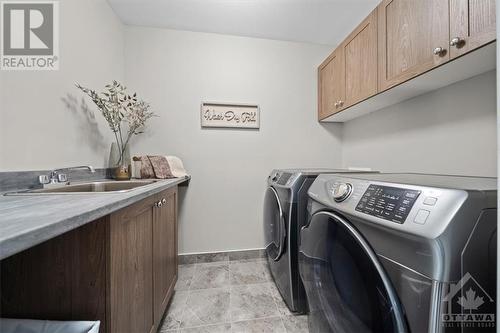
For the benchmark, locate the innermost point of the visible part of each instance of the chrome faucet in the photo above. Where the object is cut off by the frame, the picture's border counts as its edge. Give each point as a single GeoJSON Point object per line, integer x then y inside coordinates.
{"type": "Point", "coordinates": [56, 177]}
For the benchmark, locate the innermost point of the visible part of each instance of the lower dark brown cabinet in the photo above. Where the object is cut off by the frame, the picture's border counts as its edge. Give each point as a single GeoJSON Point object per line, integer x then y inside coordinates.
{"type": "Point", "coordinates": [120, 269]}
{"type": "Point", "coordinates": [165, 265]}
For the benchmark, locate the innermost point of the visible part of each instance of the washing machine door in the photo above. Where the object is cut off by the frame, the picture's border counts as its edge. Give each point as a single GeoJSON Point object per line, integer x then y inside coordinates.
{"type": "Point", "coordinates": [347, 288]}
{"type": "Point", "coordinates": [274, 225]}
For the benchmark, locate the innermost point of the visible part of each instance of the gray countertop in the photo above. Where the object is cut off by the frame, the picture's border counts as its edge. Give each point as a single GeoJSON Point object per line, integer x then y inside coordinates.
{"type": "Point", "coordinates": [28, 220]}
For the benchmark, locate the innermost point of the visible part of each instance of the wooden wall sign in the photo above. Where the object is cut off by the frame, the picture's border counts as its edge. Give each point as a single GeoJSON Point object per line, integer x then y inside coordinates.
{"type": "Point", "coordinates": [230, 115]}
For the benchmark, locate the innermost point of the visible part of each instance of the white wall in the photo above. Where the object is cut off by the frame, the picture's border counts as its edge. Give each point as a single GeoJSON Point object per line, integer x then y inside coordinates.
{"type": "Point", "coordinates": [175, 71]}
{"type": "Point", "coordinates": [451, 131]}
{"type": "Point", "coordinates": [37, 130]}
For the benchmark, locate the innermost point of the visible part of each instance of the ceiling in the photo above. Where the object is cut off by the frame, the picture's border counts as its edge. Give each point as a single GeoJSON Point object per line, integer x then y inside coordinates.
{"type": "Point", "coordinates": [312, 21]}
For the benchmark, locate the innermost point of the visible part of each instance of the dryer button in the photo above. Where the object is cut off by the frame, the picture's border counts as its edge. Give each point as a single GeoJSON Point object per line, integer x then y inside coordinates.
{"type": "Point", "coordinates": [422, 216]}
{"type": "Point", "coordinates": [430, 201]}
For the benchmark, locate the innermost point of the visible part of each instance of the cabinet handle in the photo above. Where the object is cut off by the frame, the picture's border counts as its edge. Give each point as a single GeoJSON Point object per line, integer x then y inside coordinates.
{"type": "Point", "coordinates": [457, 42]}
{"type": "Point", "coordinates": [164, 201]}
{"type": "Point", "coordinates": [439, 51]}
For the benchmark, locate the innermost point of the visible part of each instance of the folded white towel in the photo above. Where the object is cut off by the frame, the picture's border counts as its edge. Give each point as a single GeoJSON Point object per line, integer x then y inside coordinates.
{"type": "Point", "coordinates": [175, 163]}
{"type": "Point", "coordinates": [176, 166]}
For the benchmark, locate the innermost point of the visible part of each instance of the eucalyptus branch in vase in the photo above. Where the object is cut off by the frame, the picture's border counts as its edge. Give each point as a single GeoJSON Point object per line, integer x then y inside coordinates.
{"type": "Point", "coordinates": [125, 114]}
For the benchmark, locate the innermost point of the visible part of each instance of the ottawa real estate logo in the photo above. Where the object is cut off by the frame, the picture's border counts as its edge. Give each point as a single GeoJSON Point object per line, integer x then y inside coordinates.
{"type": "Point", "coordinates": [29, 35]}
{"type": "Point", "coordinates": [468, 305]}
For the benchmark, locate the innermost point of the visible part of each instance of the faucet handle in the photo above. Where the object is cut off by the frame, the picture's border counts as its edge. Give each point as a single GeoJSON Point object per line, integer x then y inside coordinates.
{"type": "Point", "coordinates": [43, 179]}
{"type": "Point", "coordinates": [62, 177]}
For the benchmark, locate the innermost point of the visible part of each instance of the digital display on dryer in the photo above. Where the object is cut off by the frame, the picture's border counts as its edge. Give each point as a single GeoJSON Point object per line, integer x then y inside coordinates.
{"type": "Point", "coordinates": [388, 203]}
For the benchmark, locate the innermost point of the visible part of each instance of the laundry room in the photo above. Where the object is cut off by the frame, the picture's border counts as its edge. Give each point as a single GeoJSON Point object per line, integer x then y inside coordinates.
{"type": "Point", "coordinates": [248, 166]}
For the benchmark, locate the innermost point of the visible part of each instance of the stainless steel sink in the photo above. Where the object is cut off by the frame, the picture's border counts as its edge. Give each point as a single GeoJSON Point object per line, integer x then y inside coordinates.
{"type": "Point", "coordinates": [112, 186]}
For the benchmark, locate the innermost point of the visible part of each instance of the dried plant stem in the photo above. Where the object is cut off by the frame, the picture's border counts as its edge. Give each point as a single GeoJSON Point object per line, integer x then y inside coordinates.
{"type": "Point", "coordinates": [118, 108]}
{"type": "Point", "coordinates": [119, 147]}
{"type": "Point", "coordinates": [122, 148]}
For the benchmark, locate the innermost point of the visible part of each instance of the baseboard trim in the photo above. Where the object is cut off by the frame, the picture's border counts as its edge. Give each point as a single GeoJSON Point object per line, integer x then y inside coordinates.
{"type": "Point", "coordinates": [204, 257]}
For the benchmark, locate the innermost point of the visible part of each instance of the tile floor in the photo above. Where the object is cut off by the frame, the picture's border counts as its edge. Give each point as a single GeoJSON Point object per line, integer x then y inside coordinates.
{"type": "Point", "coordinates": [229, 296]}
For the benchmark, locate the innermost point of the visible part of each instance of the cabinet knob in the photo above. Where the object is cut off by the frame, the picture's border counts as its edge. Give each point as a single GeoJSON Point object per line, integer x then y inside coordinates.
{"type": "Point", "coordinates": [43, 179]}
{"type": "Point", "coordinates": [341, 103]}
{"type": "Point", "coordinates": [457, 42]}
{"type": "Point", "coordinates": [337, 104]}
{"type": "Point", "coordinates": [158, 204]}
{"type": "Point", "coordinates": [439, 51]}
{"type": "Point", "coordinates": [164, 201]}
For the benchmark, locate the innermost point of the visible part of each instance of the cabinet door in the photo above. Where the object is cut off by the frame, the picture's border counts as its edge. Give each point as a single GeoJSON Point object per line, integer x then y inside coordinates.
{"type": "Point", "coordinates": [472, 24]}
{"type": "Point", "coordinates": [164, 251]}
{"type": "Point", "coordinates": [331, 82]}
{"type": "Point", "coordinates": [360, 54]}
{"type": "Point", "coordinates": [413, 38]}
{"type": "Point", "coordinates": [130, 270]}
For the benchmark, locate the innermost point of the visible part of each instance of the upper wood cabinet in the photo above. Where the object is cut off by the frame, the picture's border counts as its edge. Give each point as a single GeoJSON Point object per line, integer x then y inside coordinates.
{"type": "Point", "coordinates": [400, 41]}
{"type": "Point", "coordinates": [413, 38]}
{"type": "Point", "coordinates": [472, 24]}
{"type": "Point", "coordinates": [331, 84]}
{"type": "Point", "coordinates": [360, 58]}
{"type": "Point", "coordinates": [349, 74]}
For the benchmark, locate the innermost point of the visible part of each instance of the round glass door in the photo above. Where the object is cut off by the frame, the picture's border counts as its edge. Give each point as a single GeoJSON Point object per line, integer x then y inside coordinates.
{"type": "Point", "coordinates": [347, 288]}
{"type": "Point", "coordinates": [274, 224]}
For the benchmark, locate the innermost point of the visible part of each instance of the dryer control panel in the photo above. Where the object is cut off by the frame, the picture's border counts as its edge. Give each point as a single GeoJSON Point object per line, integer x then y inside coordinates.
{"type": "Point", "coordinates": [388, 203]}
{"type": "Point", "coordinates": [424, 208]}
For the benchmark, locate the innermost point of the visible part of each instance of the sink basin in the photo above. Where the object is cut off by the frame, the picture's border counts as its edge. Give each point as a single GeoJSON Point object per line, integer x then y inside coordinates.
{"type": "Point", "coordinates": [112, 186]}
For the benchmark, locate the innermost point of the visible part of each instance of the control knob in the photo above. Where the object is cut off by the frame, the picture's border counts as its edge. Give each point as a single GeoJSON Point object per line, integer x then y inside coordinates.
{"type": "Point", "coordinates": [342, 192]}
